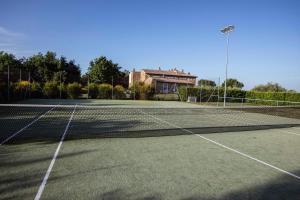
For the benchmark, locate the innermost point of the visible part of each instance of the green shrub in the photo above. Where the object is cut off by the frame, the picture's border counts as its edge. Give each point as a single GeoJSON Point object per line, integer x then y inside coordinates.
{"type": "Point", "coordinates": [36, 90]}
{"type": "Point", "coordinates": [119, 92]}
{"type": "Point", "coordinates": [210, 93]}
{"type": "Point", "coordinates": [104, 91]}
{"type": "Point", "coordinates": [74, 90]}
{"type": "Point", "coordinates": [51, 90]}
{"type": "Point", "coordinates": [166, 97]}
{"type": "Point", "coordinates": [93, 90]}
{"type": "Point", "coordinates": [142, 91]}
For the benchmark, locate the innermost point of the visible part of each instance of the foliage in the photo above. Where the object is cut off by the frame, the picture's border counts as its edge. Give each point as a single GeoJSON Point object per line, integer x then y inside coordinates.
{"type": "Point", "coordinates": [208, 93]}
{"type": "Point", "coordinates": [119, 92]}
{"type": "Point", "coordinates": [166, 97]}
{"type": "Point", "coordinates": [47, 67]}
{"type": "Point", "coordinates": [51, 89]}
{"type": "Point", "coordinates": [74, 90]}
{"type": "Point", "coordinates": [104, 91]}
{"type": "Point", "coordinates": [206, 83]}
{"type": "Point", "coordinates": [93, 90]}
{"type": "Point", "coordinates": [233, 83]}
{"type": "Point", "coordinates": [269, 87]}
{"type": "Point", "coordinates": [102, 70]}
{"type": "Point", "coordinates": [142, 91]}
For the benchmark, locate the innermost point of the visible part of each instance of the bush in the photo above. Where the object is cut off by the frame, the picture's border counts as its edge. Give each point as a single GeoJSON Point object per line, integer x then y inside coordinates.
{"type": "Point", "coordinates": [74, 90]}
{"type": "Point", "coordinates": [3, 92]}
{"type": "Point", "coordinates": [51, 90]}
{"type": "Point", "coordinates": [210, 93]}
{"type": "Point", "coordinates": [104, 91]}
{"type": "Point", "coordinates": [20, 89]}
{"type": "Point", "coordinates": [93, 90]}
{"type": "Point", "coordinates": [119, 92]}
{"type": "Point", "coordinates": [166, 97]}
{"type": "Point", "coordinates": [36, 90]}
{"type": "Point", "coordinates": [142, 91]}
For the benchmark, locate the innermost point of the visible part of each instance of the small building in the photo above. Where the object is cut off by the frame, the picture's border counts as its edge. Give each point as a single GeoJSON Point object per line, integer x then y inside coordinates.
{"type": "Point", "coordinates": [164, 81]}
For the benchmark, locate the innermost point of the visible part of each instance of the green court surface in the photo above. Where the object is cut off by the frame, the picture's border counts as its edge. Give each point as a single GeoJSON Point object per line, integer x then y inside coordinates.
{"type": "Point", "coordinates": [115, 149]}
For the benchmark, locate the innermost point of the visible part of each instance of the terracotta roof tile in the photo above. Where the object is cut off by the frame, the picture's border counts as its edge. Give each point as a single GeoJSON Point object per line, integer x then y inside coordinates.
{"type": "Point", "coordinates": [169, 80]}
{"type": "Point", "coordinates": [168, 72]}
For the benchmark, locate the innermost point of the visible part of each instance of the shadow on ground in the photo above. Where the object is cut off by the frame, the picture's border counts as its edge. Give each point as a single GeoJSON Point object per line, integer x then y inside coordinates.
{"type": "Point", "coordinates": [279, 188]}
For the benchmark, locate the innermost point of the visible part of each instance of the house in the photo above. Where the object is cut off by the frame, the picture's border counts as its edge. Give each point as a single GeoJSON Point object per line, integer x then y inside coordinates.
{"type": "Point", "coordinates": [164, 81]}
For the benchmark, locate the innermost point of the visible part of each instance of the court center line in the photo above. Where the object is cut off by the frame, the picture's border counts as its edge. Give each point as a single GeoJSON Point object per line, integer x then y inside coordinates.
{"type": "Point", "coordinates": [43, 184]}
{"type": "Point", "coordinates": [25, 127]}
{"type": "Point", "coordinates": [226, 147]}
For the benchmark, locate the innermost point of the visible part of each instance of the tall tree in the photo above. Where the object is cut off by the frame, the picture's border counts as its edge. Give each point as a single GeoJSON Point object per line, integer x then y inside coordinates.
{"type": "Point", "coordinates": [269, 87]}
{"type": "Point", "coordinates": [9, 60]}
{"type": "Point", "coordinates": [102, 70]}
{"type": "Point", "coordinates": [233, 83]}
{"type": "Point", "coordinates": [206, 83]}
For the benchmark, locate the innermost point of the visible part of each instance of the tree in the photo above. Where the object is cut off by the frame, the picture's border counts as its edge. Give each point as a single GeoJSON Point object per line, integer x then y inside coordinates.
{"type": "Point", "coordinates": [233, 83]}
{"type": "Point", "coordinates": [9, 60]}
{"type": "Point", "coordinates": [206, 83]}
{"type": "Point", "coordinates": [102, 70]}
{"type": "Point", "coordinates": [269, 87]}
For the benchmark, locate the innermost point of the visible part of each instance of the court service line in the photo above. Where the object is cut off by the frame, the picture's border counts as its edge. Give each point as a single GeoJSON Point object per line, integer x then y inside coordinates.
{"type": "Point", "coordinates": [25, 127]}
{"type": "Point", "coordinates": [286, 131]}
{"type": "Point", "coordinates": [226, 147]}
{"type": "Point", "coordinates": [43, 184]}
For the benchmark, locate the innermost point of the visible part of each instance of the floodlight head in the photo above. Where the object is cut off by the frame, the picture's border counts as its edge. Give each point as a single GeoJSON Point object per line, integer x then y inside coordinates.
{"type": "Point", "coordinates": [227, 29]}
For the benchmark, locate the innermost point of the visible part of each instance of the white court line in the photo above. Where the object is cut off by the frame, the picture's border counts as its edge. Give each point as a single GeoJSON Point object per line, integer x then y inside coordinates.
{"type": "Point", "coordinates": [226, 147]}
{"type": "Point", "coordinates": [286, 131]}
{"type": "Point", "coordinates": [25, 127]}
{"type": "Point", "coordinates": [43, 184]}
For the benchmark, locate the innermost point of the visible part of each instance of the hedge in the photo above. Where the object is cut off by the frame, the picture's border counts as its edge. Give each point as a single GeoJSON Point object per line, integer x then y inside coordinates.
{"type": "Point", "coordinates": [51, 89]}
{"type": "Point", "coordinates": [210, 94]}
{"type": "Point", "coordinates": [119, 92]}
{"type": "Point", "coordinates": [142, 91]}
{"type": "Point", "coordinates": [74, 90]}
{"type": "Point", "coordinates": [104, 91]}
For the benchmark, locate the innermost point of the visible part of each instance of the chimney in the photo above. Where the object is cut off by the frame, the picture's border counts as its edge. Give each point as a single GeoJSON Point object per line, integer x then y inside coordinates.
{"type": "Point", "coordinates": [182, 71]}
{"type": "Point", "coordinates": [133, 70]}
{"type": "Point", "coordinates": [159, 68]}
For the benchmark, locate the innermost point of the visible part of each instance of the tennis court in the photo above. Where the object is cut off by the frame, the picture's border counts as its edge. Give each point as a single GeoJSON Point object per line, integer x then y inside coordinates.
{"type": "Point", "coordinates": [119, 149]}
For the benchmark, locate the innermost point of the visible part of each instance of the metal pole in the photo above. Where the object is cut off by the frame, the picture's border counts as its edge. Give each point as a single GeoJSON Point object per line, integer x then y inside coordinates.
{"type": "Point", "coordinates": [8, 86]}
{"type": "Point", "coordinates": [29, 77]}
{"type": "Point", "coordinates": [133, 90]}
{"type": "Point", "coordinates": [88, 94]}
{"type": "Point", "coordinates": [112, 87]}
{"type": "Point", "coordinates": [225, 89]}
{"type": "Point", "coordinates": [60, 85]}
{"type": "Point", "coordinates": [218, 92]}
{"type": "Point", "coordinates": [200, 100]}
{"type": "Point", "coordinates": [20, 74]}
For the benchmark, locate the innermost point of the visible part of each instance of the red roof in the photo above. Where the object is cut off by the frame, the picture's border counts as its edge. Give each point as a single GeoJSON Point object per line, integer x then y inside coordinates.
{"type": "Point", "coordinates": [168, 72]}
{"type": "Point", "coordinates": [169, 80]}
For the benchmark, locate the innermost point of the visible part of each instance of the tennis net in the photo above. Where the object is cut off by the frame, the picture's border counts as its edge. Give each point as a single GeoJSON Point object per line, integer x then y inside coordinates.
{"type": "Point", "coordinates": [113, 121]}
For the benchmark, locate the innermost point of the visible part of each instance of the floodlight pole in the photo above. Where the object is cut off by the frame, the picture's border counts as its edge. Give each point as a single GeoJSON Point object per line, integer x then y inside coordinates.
{"type": "Point", "coordinates": [112, 87]}
{"type": "Point", "coordinates": [8, 86]}
{"type": "Point", "coordinates": [88, 83]}
{"type": "Point", "coordinates": [226, 70]}
{"type": "Point", "coordinates": [226, 31]}
{"type": "Point", "coordinates": [60, 85]}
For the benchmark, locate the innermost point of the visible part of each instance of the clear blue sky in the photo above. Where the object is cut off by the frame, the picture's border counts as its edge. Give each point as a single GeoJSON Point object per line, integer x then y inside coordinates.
{"type": "Point", "coordinates": [151, 34]}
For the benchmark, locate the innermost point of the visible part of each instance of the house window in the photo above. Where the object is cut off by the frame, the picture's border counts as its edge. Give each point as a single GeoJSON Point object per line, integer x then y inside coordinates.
{"type": "Point", "coordinates": [165, 87]}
